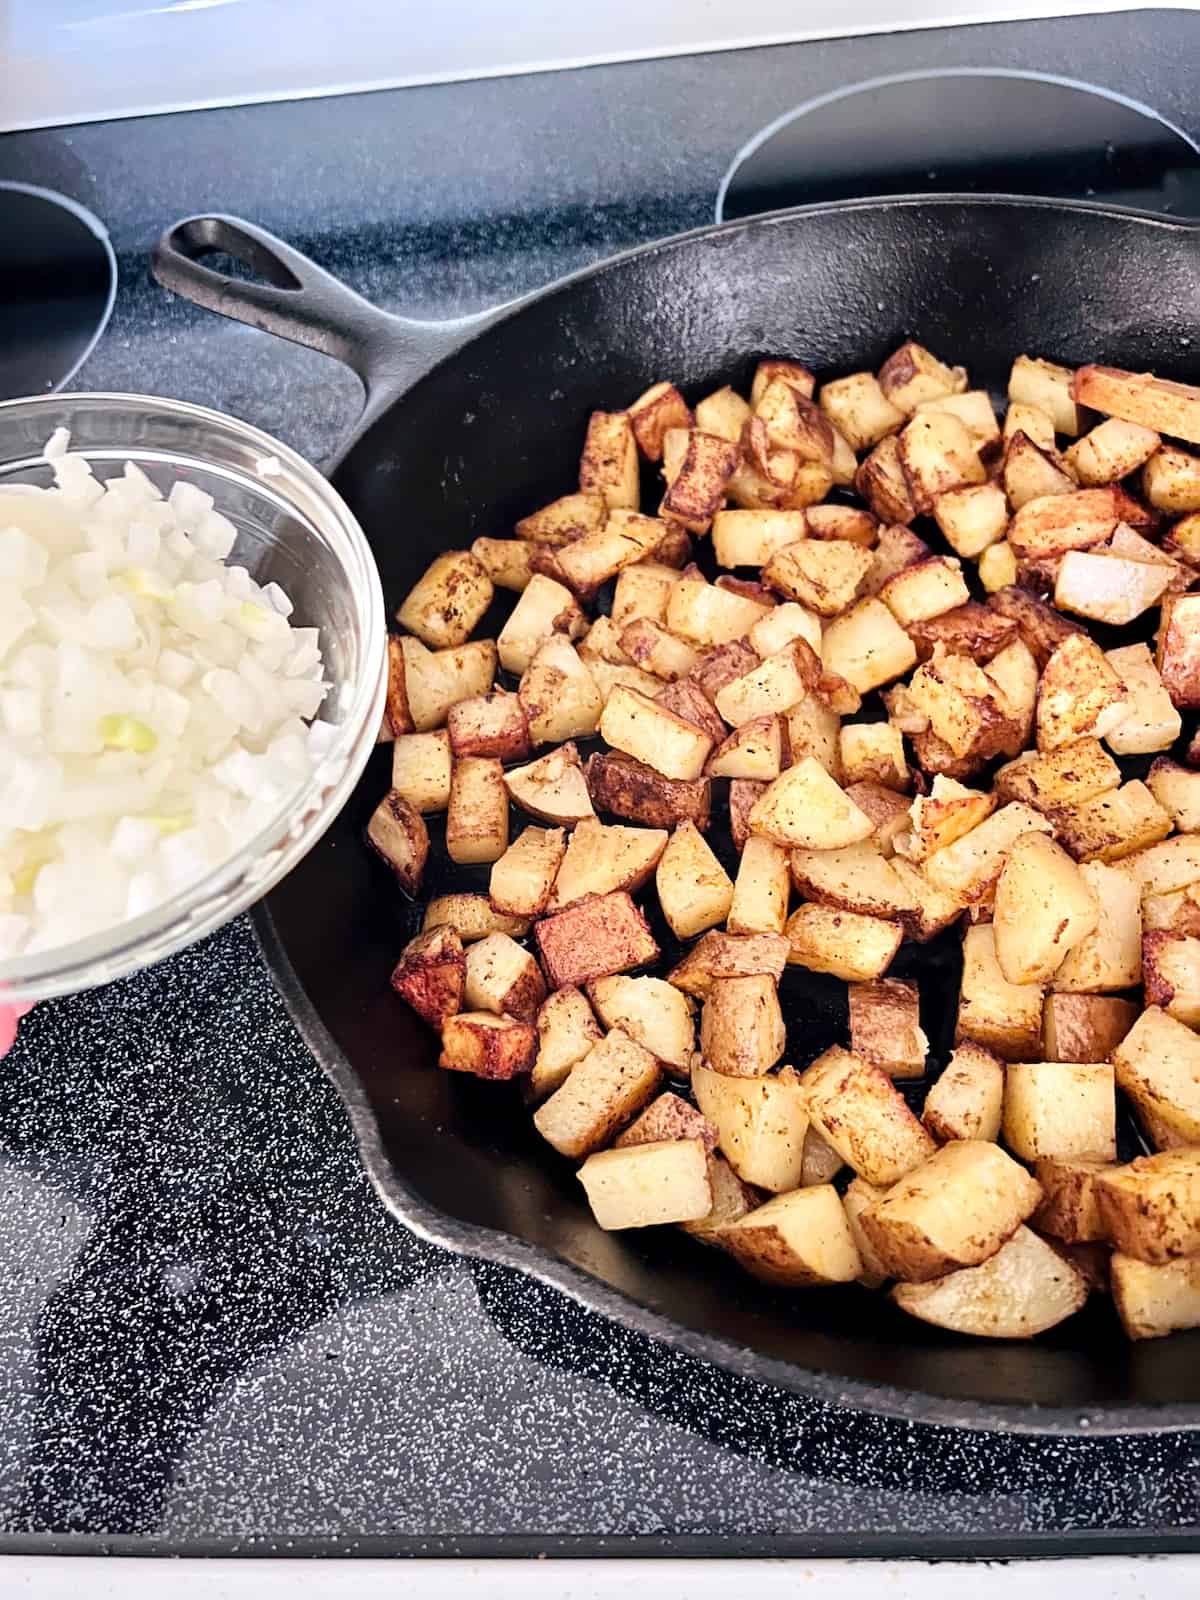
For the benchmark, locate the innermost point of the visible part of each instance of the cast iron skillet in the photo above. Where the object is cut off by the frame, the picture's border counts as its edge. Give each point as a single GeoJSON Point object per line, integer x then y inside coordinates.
{"type": "Point", "coordinates": [492, 430]}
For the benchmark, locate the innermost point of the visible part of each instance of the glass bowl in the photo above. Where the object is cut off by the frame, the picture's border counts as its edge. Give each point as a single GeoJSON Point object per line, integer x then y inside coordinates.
{"type": "Point", "coordinates": [293, 528]}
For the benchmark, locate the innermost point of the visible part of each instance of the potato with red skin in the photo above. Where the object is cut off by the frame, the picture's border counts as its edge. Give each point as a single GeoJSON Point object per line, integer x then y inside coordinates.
{"type": "Point", "coordinates": [594, 939]}
{"type": "Point", "coordinates": [668, 1117]}
{"type": "Point", "coordinates": [627, 788]}
{"type": "Point", "coordinates": [431, 975]}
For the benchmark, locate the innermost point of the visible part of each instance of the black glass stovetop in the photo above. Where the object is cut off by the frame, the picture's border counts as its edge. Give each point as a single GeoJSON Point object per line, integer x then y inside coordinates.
{"type": "Point", "coordinates": [212, 1336]}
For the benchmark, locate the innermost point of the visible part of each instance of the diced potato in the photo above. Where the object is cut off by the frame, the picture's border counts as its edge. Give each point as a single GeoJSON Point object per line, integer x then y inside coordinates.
{"type": "Point", "coordinates": [859, 1197]}
{"type": "Point", "coordinates": [626, 537]}
{"type": "Point", "coordinates": [970, 867]}
{"type": "Point", "coordinates": [805, 807]}
{"type": "Point", "coordinates": [1050, 525]}
{"type": "Point", "coordinates": [652, 413]}
{"type": "Point", "coordinates": [947, 813]}
{"type": "Point", "coordinates": [487, 1046]}
{"type": "Point", "coordinates": [706, 615]}
{"type": "Point", "coordinates": [972, 518]}
{"type": "Point", "coordinates": [912, 374]}
{"type": "Point", "coordinates": [1108, 588]}
{"type": "Point", "coordinates": [1151, 1207]}
{"type": "Point", "coordinates": [438, 679]}
{"type": "Point", "coordinates": [602, 1092]}
{"type": "Point", "coordinates": [823, 574]}
{"type": "Point", "coordinates": [783, 623]}
{"type": "Point", "coordinates": [503, 978]}
{"type": "Point", "coordinates": [477, 816]}
{"type": "Point", "coordinates": [1171, 973]}
{"type": "Point", "coordinates": [431, 975]}
{"type": "Point", "coordinates": [491, 724]}
{"type": "Point", "coordinates": [1044, 908]}
{"type": "Point", "coordinates": [552, 788]}
{"type": "Point", "coordinates": [936, 455]}
{"type": "Point", "coordinates": [961, 702]}
{"type": "Point", "coordinates": [849, 946]}
{"type": "Point", "coordinates": [772, 687]}
{"type": "Point", "coordinates": [720, 665]}
{"type": "Point", "coordinates": [885, 1027]}
{"type": "Point", "coordinates": [867, 646]}
{"type": "Point", "coordinates": [1177, 912]}
{"type": "Point", "coordinates": [1171, 480]}
{"type": "Point", "coordinates": [1176, 788]}
{"type": "Point", "coordinates": [1082, 695]}
{"type": "Point", "coordinates": [657, 651]}
{"type": "Point", "coordinates": [1030, 420]}
{"type": "Point", "coordinates": [564, 520]}
{"type": "Point", "coordinates": [1151, 723]}
{"type": "Point", "coordinates": [1066, 776]}
{"type": "Point", "coordinates": [1158, 1066]}
{"type": "Point", "coordinates": [1040, 627]}
{"type": "Point", "coordinates": [791, 422]}
{"type": "Point", "coordinates": [842, 522]}
{"type": "Point", "coordinates": [821, 1161]}
{"type": "Point", "coordinates": [506, 562]}
{"type": "Point", "coordinates": [609, 464]}
{"type": "Point", "coordinates": [421, 767]}
{"type": "Point", "coordinates": [897, 547]}
{"type": "Point", "coordinates": [750, 538]}
{"type": "Point", "coordinates": [974, 409]}
{"type": "Point", "coordinates": [924, 590]}
{"type": "Point", "coordinates": [873, 752]}
{"type": "Point", "coordinates": [647, 1184]}
{"type": "Point", "coordinates": [753, 750]}
{"type": "Point", "coordinates": [697, 490]}
{"type": "Point", "coordinates": [953, 1209]}
{"type": "Point", "coordinates": [397, 715]}
{"type": "Point", "coordinates": [936, 909]}
{"type": "Point", "coordinates": [398, 834]}
{"type": "Point", "coordinates": [651, 1011]}
{"type": "Point", "coordinates": [881, 482]}
{"type": "Point", "coordinates": [600, 859]}
{"type": "Point", "coordinates": [1110, 958]}
{"type": "Point", "coordinates": [1005, 1017]}
{"type": "Point", "coordinates": [798, 1240]}
{"type": "Point", "coordinates": [1182, 541]}
{"type": "Point", "coordinates": [642, 591]}
{"type": "Point", "coordinates": [1014, 672]}
{"type": "Point", "coordinates": [741, 1026]}
{"type": "Point", "coordinates": [760, 892]}
{"type": "Point", "coordinates": [1113, 825]}
{"type": "Point", "coordinates": [472, 916]}
{"type": "Point", "coordinates": [1070, 1208]}
{"type": "Point", "coordinates": [1172, 408]}
{"type": "Point", "coordinates": [629, 788]}
{"type": "Point", "coordinates": [855, 878]}
{"type": "Point", "coordinates": [1112, 451]}
{"type": "Point", "coordinates": [594, 940]}
{"type": "Point", "coordinates": [744, 795]}
{"type": "Point", "coordinates": [1047, 386]}
{"type": "Point", "coordinates": [444, 605]}
{"type": "Point", "coordinates": [859, 409]}
{"type": "Point", "coordinates": [1060, 1108]}
{"type": "Point", "coordinates": [967, 1101]}
{"type": "Point", "coordinates": [761, 1124]}
{"type": "Point", "coordinates": [669, 1117]}
{"type": "Point", "coordinates": [1033, 473]}
{"type": "Point", "coordinates": [814, 731]}
{"type": "Point", "coordinates": [649, 733]}
{"type": "Point", "coordinates": [694, 889]}
{"type": "Point", "coordinates": [723, 955]}
{"type": "Point", "coordinates": [545, 608]}
{"type": "Point", "coordinates": [1179, 649]}
{"type": "Point", "coordinates": [1085, 1027]}
{"type": "Point", "coordinates": [731, 1199]}
{"type": "Point", "coordinates": [859, 1111]}
{"type": "Point", "coordinates": [566, 1031]}
{"type": "Point", "coordinates": [1025, 1288]}
{"type": "Point", "coordinates": [724, 413]}
{"type": "Point", "coordinates": [998, 567]}
{"type": "Point", "coordinates": [1152, 1301]}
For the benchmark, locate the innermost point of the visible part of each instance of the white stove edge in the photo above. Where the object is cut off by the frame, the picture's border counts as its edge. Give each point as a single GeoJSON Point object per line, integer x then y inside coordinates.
{"type": "Point", "coordinates": [93, 60]}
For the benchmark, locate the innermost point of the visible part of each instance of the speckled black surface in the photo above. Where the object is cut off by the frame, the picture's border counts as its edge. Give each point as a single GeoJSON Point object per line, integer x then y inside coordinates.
{"type": "Point", "coordinates": [211, 1334]}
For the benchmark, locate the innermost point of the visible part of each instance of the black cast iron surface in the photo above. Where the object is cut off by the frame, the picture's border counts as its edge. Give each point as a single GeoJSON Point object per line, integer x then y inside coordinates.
{"type": "Point", "coordinates": [212, 1335]}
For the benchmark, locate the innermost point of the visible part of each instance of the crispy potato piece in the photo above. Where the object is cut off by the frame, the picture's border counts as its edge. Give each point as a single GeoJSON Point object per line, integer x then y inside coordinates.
{"type": "Point", "coordinates": [1182, 541]}
{"type": "Point", "coordinates": [564, 520]}
{"type": "Point", "coordinates": [1081, 696]}
{"type": "Point", "coordinates": [741, 1026]}
{"type": "Point", "coordinates": [867, 646]}
{"type": "Point", "coordinates": [771, 687]}
{"type": "Point", "coordinates": [1108, 588]}
{"type": "Point", "coordinates": [855, 878]}
{"type": "Point", "coordinates": [630, 789]}
{"type": "Point", "coordinates": [398, 834]}
{"type": "Point", "coordinates": [1014, 673]}
{"type": "Point", "coordinates": [1112, 825]}
{"type": "Point", "coordinates": [1179, 649]}
{"type": "Point", "coordinates": [967, 1101]}
{"type": "Point", "coordinates": [657, 651]}
{"type": "Point", "coordinates": [1033, 472]}
{"type": "Point", "coordinates": [1171, 480]}
{"type": "Point", "coordinates": [552, 788]}
{"type": "Point", "coordinates": [1050, 525]}
{"type": "Point", "coordinates": [1060, 1108]}
{"type": "Point", "coordinates": [1139, 397]}
{"type": "Point", "coordinates": [477, 817]}
{"type": "Point", "coordinates": [936, 455]}
{"type": "Point", "coordinates": [1005, 1017]}
{"type": "Point", "coordinates": [842, 522]}
{"type": "Point", "coordinates": [421, 767]}
{"type": "Point", "coordinates": [503, 978]}
{"type": "Point", "coordinates": [1069, 1208]}
{"type": "Point", "coordinates": [660, 407]}
{"type": "Point", "coordinates": [885, 1027]}
{"type": "Point", "coordinates": [609, 464]}
{"type": "Point", "coordinates": [1066, 776]}
{"type": "Point", "coordinates": [761, 1124]}
{"type": "Point", "coordinates": [859, 409]}
{"type": "Point", "coordinates": [823, 574]}
{"type": "Point", "coordinates": [694, 890]}
{"type": "Point", "coordinates": [731, 1199]}
{"type": "Point", "coordinates": [859, 1196]}
{"type": "Point", "coordinates": [1152, 1301]}
{"type": "Point", "coordinates": [972, 517]}
{"type": "Point", "coordinates": [755, 750]}
{"type": "Point", "coordinates": [1150, 1208]}
{"type": "Point", "coordinates": [947, 813]}
{"type": "Point", "coordinates": [431, 975]}
{"type": "Point", "coordinates": [718, 666]}
{"type": "Point", "coordinates": [1163, 868]}
{"type": "Point", "coordinates": [1025, 1288]}
{"type": "Point", "coordinates": [1176, 788]}
{"type": "Point", "coordinates": [602, 1092]}
{"type": "Point", "coordinates": [966, 630]}
{"type": "Point", "coordinates": [783, 623]}
{"type": "Point", "coordinates": [912, 374]}
{"type": "Point", "coordinates": [1177, 912]}
{"type": "Point", "coordinates": [961, 702]}
{"type": "Point", "coordinates": [1047, 386]}
{"type": "Point", "coordinates": [602, 642]}
{"type": "Point", "coordinates": [760, 892]}
{"type": "Point", "coordinates": [544, 608]}
{"type": "Point", "coordinates": [723, 955]}
{"type": "Point", "coordinates": [858, 1110]}
{"type": "Point", "coordinates": [1044, 908]}
{"type": "Point", "coordinates": [566, 1031]}
{"type": "Point", "coordinates": [873, 752]}
{"type": "Point", "coordinates": [697, 492]}
{"type": "Point", "coordinates": [805, 807]}
{"type": "Point", "coordinates": [935, 909]}
{"type": "Point", "coordinates": [438, 679]}
{"type": "Point", "coordinates": [594, 940]}
{"type": "Point", "coordinates": [652, 1012]}
{"type": "Point", "coordinates": [506, 562]}
{"type": "Point", "coordinates": [787, 421]}
{"type": "Point", "coordinates": [970, 867]}
{"type": "Point", "coordinates": [600, 859]}
{"type": "Point", "coordinates": [397, 717]}
{"type": "Point", "coordinates": [669, 1117]}
{"type": "Point", "coordinates": [843, 943]}
{"type": "Point", "coordinates": [954, 1208]}
{"type": "Point", "coordinates": [724, 413]}
{"type": "Point", "coordinates": [1085, 1027]}
{"type": "Point", "coordinates": [1171, 973]}
{"type": "Point", "coordinates": [1113, 450]}
{"type": "Point", "coordinates": [626, 537]}
{"type": "Point", "coordinates": [487, 1046]}
{"type": "Point", "coordinates": [897, 547]}
{"type": "Point", "coordinates": [472, 916]}
{"type": "Point", "coordinates": [814, 731]}
{"type": "Point", "coordinates": [490, 724]}
{"type": "Point", "coordinates": [793, 373]}
{"type": "Point", "coordinates": [1030, 420]}
{"type": "Point", "coordinates": [523, 876]}
{"type": "Point", "coordinates": [1158, 1066]}
{"type": "Point", "coordinates": [1041, 628]}
{"type": "Point", "coordinates": [974, 409]}
{"type": "Point", "coordinates": [647, 1184]}
{"type": "Point", "coordinates": [798, 1240]}
{"type": "Point", "coordinates": [998, 567]}
{"type": "Point", "coordinates": [645, 730]}
{"type": "Point", "coordinates": [705, 615]}
{"type": "Point", "coordinates": [642, 591]}
{"type": "Point", "coordinates": [1110, 958]}
{"type": "Point", "coordinates": [445, 605]}
{"type": "Point", "coordinates": [749, 538]}
{"type": "Point", "coordinates": [926, 589]}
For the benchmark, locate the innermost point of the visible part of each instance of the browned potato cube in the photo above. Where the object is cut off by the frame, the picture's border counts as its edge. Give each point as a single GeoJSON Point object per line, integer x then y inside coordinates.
{"type": "Point", "coordinates": [1182, 541]}
{"type": "Point", "coordinates": [1113, 825]}
{"type": "Point", "coordinates": [859, 409]}
{"type": "Point", "coordinates": [1025, 1288]}
{"type": "Point", "coordinates": [813, 730]}
{"type": "Point", "coordinates": [873, 752]}
{"type": "Point", "coordinates": [857, 878]}
{"type": "Point", "coordinates": [609, 464]}
{"type": "Point", "coordinates": [602, 1092]}
{"type": "Point", "coordinates": [594, 940]}
{"type": "Point", "coordinates": [771, 687]}
{"type": "Point", "coordinates": [776, 368]}
{"type": "Point", "coordinates": [724, 413]}
{"type": "Point", "coordinates": [823, 574]}
{"type": "Point", "coordinates": [1107, 588]}
{"type": "Point", "coordinates": [431, 975]}
{"type": "Point", "coordinates": [545, 608]}
{"type": "Point", "coordinates": [998, 567]}
{"type": "Point", "coordinates": [1179, 649]}
{"type": "Point", "coordinates": [506, 562]}
{"type": "Point", "coordinates": [421, 767]}
{"type": "Point", "coordinates": [1085, 1027]}
{"type": "Point", "coordinates": [626, 537]}
{"type": "Point", "coordinates": [966, 630]}
{"type": "Point", "coordinates": [731, 1199]}
{"type": "Point", "coordinates": [967, 1101]}
{"type": "Point", "coordinates": [1030, 420]}
{"type": "Point", "coordinates": [1164, 867]}
{"type": "Point", "coordinates": [1006, 1017]}
{"type": "Point", "coordinates": [749, 538]}
{"type": "Point", "coordinates": [1151, 1207]}
{"type": "Point", "coordinates": [487, 1046]}
{"type": "Point", "coordinates": [1158, 1066]}
{"type": "Point", "coordinates": [1156, 1300]}
{"type": "Point", "coordinates": [858, 1110]}
{"type": "Point", "coordinates": [1112, 451]}
{"type": "Point", "coordinates": [961, 702]}
{"type": "Point", "coordinates": [760, 892]}
{"type": "Point", "coordinates": [1178, 912]}
{"type": "Point", "coordinates": [972, 517]}
{"type": "Point", "coordinates": [935, 909]}
{"type": "Point", "coordinates": [668, 1117]}
{"type": "Point", "coordinates": [912, 374]}
{"type": "Point", "coordinates": [885, 1027]}
{"type": "Point", "coordinates": [948, 812]}
{"type": "Point", "coordinates": [842, 522]}
{"type": "Point", "coordinates": [1171, 480]}
{"type": "Point", "coordinates": [472, 916]}
{"type": "Point", "coordinates": [849, 946]}
{"type": "Point", "coordinates": [444, 606]}
{"type": "Point", "coordinates": [1041, 627]}
{"type": "Point", "coordinates": [503, 978]}
{"type": "Point", "coordinates": [722, 663]}
{"type": "Point", "coordinates": [642, 591]}
{"type": "Point", "coordinates": [761, 1124]}
{"type": "Point", "coordinates": [694, 889]}
{"type": "Point", "coordinates": [881, 482]}
{"type": "Point", "coordinates": [1060, 1108]}
{"type": "Point", "coordinates": [398, 834]}
{"type": "Point", "coordinates": [805, 807]}
{"type": "Point", "coordinates": [651, 1011]}
{"type": "Point", "coordinates": [488, 725]}
{"type": "Point", "coordinates": [1157, 403]}
{"type": "Point", "coordinates": [858, 1197]}
{"type": "Point", "coordinates": [564, 520]}
{"type": "Point", "coordinates": [867, 646]}
{"type": "Point", "coordinates": [955, 1209]}
{"type": "Point", "coordinates": [799, 1240]}
{"type": "Point", "coordinates": [1070, 1209]}
{"type": "Point", "coordinates": [970, 867]}
{"type": "Point", "coordinates": [647, 1184]}
{"type": "Point", "coordinates": [552, 788]}
{"type": "Point", "coordinates": [1081, 695]}
{"type": "Point", "coordinates": [1047, 386]}
{"type": "Point", "coordinates": [1066, 776]}
{"type": "Point", "coordinates": [697, 491]}
{"type": "Point", "coordinates": [925, 590]}
{"type": "Point", "coordinates": [936, 455]}
{"type": "Point", "coordinates": [897, 547]}
{"type": "Point", "coordinates": [600, 859]}
{"type": "Point", "coordinates": [435, 680]}
{"type": "Point", "coordinates": [1053, 524]}
{"type": "Point", "coordinates": [630, 789]}
{"type": "Point", "coordinates": [755, 750]}
{"type": "Point", "coordinates": [397, 717]}
{"type": "Point", "coordinates": [477, 818]}
{"type": "Point", "coordinates": [1176, 788]}
{"type": "Point", "coordinates": [566, 1031]}
{"type": "Point", "coordinates": [652, 413]}
{"type": "Point", "coordinates": [741, 1027]}
{"type": "Point", "coordinates": [1032, 472]}
{"type": "Point", "coordinates": [647, 731]}
{"type": "Point", "coordinates": [723, 955]}
{"type": "Point", "coordinates": [1171, 973]}
{"type": "Point", "coordinates": [1044, 908]}
{"type": "Point", "coordinates": [523, 876]}
{"type": "Point", "coordinates": [974, 409]}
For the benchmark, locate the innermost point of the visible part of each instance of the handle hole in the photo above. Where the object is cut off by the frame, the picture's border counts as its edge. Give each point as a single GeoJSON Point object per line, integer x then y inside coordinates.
{"type": "Point", "coordinates": [234, 267]}
{"type": "Point", "coordinates": [227, 250]}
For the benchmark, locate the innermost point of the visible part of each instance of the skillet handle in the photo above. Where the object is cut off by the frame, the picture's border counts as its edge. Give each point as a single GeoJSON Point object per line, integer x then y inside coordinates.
{"type": "Point", "coordinates": [296, 299]}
